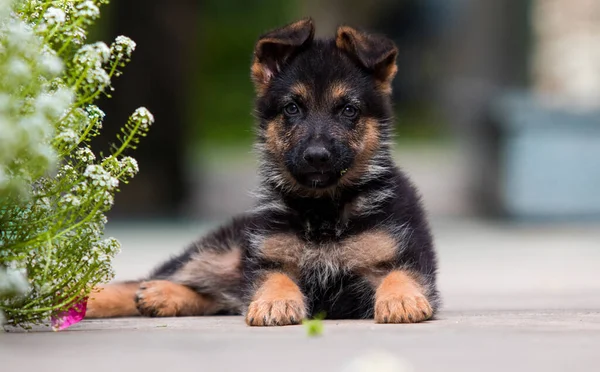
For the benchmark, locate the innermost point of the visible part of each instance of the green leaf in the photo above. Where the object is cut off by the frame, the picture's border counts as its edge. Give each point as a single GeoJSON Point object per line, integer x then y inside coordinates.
{"type": "Point", "coordinates": [314, 327]}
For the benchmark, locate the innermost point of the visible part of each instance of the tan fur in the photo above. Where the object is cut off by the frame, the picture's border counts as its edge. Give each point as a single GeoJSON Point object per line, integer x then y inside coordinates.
{"type": "Point", "coordinates": [346, 37]}
{"type": "Point", "coordinates": [261, 74]}
{"type": "Point", "coordinates": [365, 253]}
{"type": "Point", "coordinates": [165, 298]}
{"type": "Point", "coordinates": [302, 91]}
{"type": "Point", "coordinates": [285, 249]}
{"type": "Point", "coordinates": [298, 25]}
{"type": "Point", "coordinates": [113, 300]}
{"type": "Point", "coordinates": [385, 85]}
{"type": "Point", "coordinates": [400, 299]}
{"type": "Point", "coordinates": [338, 90]}
{"type": "Point", "coordinates": [278, 301]}
{"type": "Point", "coordinates": [365, 142]}
{"type": "Point", "coordinates": [275, 144]}
{"type": "Point", "coordinates": [278, 142]}
{"type": "Point", "coordinates": [361, 254]}
{"type": "Point", "coordinates": [211, 264]}
{"type": "Point", "coordinates": [349, 39]}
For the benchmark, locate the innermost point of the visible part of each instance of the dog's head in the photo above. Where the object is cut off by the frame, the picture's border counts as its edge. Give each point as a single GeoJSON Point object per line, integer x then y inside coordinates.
{"type": "Point", "coordinates": [323, 105]}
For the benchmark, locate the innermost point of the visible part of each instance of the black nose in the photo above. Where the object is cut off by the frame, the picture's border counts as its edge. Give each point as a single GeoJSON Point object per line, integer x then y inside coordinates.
{"type": "Point", "coordinates": [317, 156]}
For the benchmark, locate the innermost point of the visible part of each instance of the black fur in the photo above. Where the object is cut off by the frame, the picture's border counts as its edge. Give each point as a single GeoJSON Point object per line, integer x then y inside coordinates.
{"type": "Point", "coordinates": [314, 203]}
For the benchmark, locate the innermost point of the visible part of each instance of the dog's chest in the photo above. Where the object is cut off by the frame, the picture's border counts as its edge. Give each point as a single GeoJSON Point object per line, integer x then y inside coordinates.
{"type": "Point", "coordinates": [325, 260]}
{"type": "Point", "coordinates": [322, 260]}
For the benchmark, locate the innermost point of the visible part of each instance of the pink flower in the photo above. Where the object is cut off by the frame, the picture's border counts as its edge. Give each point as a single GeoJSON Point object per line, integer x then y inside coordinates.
{"type": "Point", "coordinates": [69, 317]}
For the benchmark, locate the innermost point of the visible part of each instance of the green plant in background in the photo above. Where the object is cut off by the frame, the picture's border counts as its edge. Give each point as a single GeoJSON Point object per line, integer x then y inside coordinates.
{"type": "Point", "coordinates": [54, 191]}
{"type": "Point", "coordinates": [222, 97]}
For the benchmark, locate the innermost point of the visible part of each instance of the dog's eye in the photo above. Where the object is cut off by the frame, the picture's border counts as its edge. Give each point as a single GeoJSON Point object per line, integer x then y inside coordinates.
{"type": "Point", "coordinates": [291, 109]}
{"type": "Point", "coordinates": [350, 111]}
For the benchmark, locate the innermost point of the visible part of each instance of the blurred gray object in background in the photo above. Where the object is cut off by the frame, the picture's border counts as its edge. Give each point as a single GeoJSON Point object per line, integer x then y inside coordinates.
{"type": "Point", "coordinates": [547, 159]}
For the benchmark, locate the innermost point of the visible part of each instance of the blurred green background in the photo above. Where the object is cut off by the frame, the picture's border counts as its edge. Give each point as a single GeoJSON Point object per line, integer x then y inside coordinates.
{"type": "Point", "coordinates": [458, 59]}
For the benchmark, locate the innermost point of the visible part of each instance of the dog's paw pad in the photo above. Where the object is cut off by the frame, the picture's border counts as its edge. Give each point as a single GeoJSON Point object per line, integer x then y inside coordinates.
{"type": "Point", "coordinates": [275, 313]}
{"type": "Point", "coordinates": [154, 299]}
{"type": "Point", "coordinates": [403, 308]}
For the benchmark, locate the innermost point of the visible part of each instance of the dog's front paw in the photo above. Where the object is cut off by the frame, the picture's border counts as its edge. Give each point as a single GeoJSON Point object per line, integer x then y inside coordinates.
{"type": "Point", "coordinates": [403, 308]}
{"type": "Point", "coordinates": [275, 313]}
{"type": "Point", "coordinates": [400, 299]}
{"type": "Point", "coordinates": [277, 302]}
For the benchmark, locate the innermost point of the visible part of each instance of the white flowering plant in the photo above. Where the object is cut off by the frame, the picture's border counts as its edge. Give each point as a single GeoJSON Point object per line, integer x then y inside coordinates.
{"type": "Point", "coordinates": [54, 190]}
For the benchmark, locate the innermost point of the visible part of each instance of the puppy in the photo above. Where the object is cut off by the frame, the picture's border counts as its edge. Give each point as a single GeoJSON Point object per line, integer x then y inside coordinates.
{"type": "Point", "coordinates": [337, 227]}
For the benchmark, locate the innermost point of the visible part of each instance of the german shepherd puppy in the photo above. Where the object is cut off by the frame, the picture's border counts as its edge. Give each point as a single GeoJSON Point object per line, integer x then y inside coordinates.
{"type": "Point", "coordinates": [337, 227]}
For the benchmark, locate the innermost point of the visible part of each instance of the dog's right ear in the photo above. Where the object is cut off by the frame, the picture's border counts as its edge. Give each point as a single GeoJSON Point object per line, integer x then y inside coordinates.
{"type": "Point", "coordinates": [274, 49]}
{"type": "Point", "coordinates": [374, 52]}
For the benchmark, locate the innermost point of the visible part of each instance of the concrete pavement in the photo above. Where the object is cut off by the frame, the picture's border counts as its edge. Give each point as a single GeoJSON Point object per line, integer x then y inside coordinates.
{"type": "Point", "coordinates": [517, 298]}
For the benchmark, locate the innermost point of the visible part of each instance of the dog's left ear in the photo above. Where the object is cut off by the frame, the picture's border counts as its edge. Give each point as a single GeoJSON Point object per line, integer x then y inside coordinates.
{"type": "Point", "coordinates": [375, 52]}
{"type": "Point", "coordinates": [275, 48]}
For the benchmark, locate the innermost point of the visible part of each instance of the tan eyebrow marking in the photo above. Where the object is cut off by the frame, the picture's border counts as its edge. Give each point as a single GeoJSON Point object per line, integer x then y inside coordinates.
{"type": "Point", "coordinates": [301, 90]}
{"type": "Point", "coordinates": [338, 90]}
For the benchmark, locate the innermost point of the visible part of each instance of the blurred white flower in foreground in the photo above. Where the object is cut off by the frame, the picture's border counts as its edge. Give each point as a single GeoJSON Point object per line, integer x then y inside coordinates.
{"type": "Point", "coordinates": [378, 361]}
{"type": "Point", "coordinates": [54, 190]}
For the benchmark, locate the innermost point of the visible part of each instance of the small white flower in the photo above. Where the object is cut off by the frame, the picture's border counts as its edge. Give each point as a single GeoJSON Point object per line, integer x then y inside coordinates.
{"type": "Point", "coordinates": [80, 188]}
{"type": "Point", "coordinates": [71, 200]}
{"type": "Point", "coordinates": [18, 68]}
{"type": "Point", "coordinates": [122, 48]}
{"type": "Point", "coordinates": [93, 55]}
{"type": "Point", "coordinates": [44, 203]}
{"type": "Point", "coordinates": [67, 169]}
{"type": "Point", "coordinates": [103, 51]}
{"type": "Point", "coordinates": [54, 16]}
{"type": "Point", "coordinates": [20, 35]}
{"type": "Point", "coordinates": [54, 103]}
{"type": "Point", "coordinates": [88, 9]}
{"type": "Point", "coordinates": [108, 199]}
{"type": "Point", "coordinates": [98, 77]}
{"type": "Point", "coordinates": [78, 35]}
{"type": "Point", "coordinates": [85, 154]}
{"type": "Point", "coordinates": [89, 60]}
{"type": "Point", "coordinates": [110, 246]}
{"type": "Point", "coordinates": [129, 166]}
{"type": "Point", "coordinates": [13, 280]}
{"type": "Point", "coordinates": [50, 63]}
{"type": "Point", "coordinates": [92, 170]}
{"type": "Point", "coordinates": [101, 178]}
{"type": "Point", "coordinates": [68, 136]}
{"type": "Point", "coordinates": [144, 117]}
{"type": "Point", "coordinates": [113, 183]}
{"type": "Point", "coordinates": [36, 126]}
{"type": "Point", "coordinates": [94, 112]}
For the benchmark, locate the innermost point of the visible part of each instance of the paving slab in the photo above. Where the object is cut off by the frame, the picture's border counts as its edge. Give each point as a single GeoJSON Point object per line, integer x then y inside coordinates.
{"type": "Point", "coordinates": [457, 341]}
{"type": "Point", "coordinates": [517, 298]}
